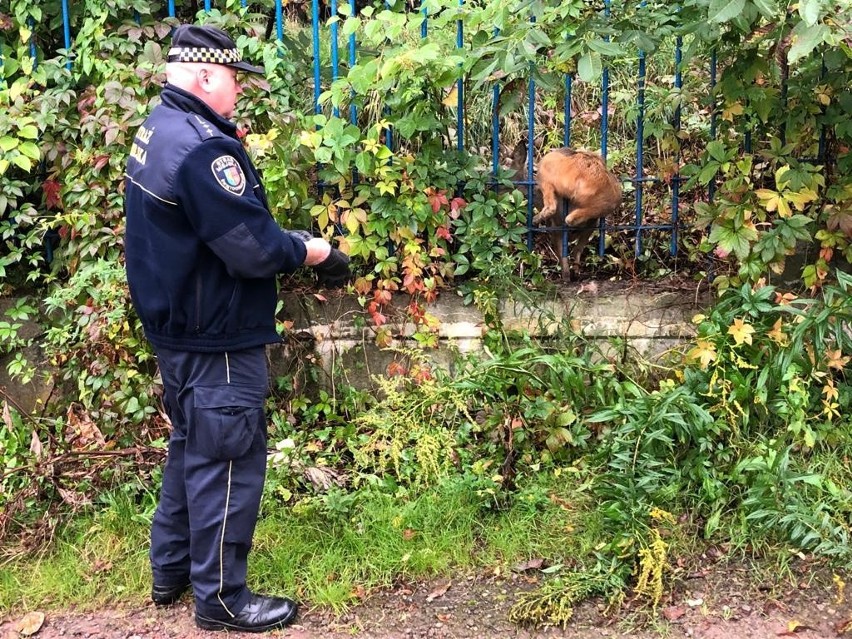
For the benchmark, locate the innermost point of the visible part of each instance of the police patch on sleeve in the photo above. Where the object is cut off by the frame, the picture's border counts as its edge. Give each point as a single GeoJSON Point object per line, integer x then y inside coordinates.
{"type": "Point", "coordinates": [229, 174]}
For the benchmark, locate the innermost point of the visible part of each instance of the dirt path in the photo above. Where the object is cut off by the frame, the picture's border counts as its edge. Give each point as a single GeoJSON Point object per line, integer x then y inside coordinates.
{"type": "Point", "coordinates": [725, 603]}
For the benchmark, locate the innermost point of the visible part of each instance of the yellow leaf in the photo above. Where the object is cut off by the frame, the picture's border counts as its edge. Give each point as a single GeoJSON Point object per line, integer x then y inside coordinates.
{"type": "Point", "coordinates": [704, 352]}
{"type": "Point", "coordinates": [386, 188]}
{"type": "Point", "coordinates": [777, 334]}
{"type": "Point", "coordinates": [801, 198]}
{"type": "Point", "coordinates": [452, 98]}
{"type": "Point", "coordinates": [730, 111]}
{"type": "Point", "coordinates": [841, 588]}
{"type": "Point", "coordinates": [30, 623]}
{"type": "Point", "coordinates": [784, 209]}
{"type": "Point", "coordinates": [343, 245]}
{"type": "Point", "coordinates": [350, 222]}
{"type": "Point", "coordinates": [836, 359]}
{"type": "Point", "coordinates": [769, 199]}
{"type": "Point", "coordinates": [741, 332]}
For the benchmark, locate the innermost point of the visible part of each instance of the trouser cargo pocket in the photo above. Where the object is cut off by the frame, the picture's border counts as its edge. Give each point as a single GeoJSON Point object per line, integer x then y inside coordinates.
{"type": "Point", "coordinates": [228, 417]}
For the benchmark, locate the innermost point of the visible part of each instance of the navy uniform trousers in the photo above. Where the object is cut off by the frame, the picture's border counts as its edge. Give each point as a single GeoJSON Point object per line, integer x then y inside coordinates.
{"type": "Point", "coordinates": [213, 477]}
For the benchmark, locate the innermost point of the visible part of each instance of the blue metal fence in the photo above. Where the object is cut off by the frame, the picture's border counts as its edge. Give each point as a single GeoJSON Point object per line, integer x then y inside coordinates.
{"type": "Point", "coordinates": [527, 183]}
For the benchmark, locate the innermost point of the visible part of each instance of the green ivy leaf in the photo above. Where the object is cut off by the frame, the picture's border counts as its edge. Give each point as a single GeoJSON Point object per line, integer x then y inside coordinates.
{"type": "Point", "coordinates": [30, 150]}
{"type": "Point", "coordinates": [606, 48]}
{"type": "Point", "coordinates": [725, 10]}
{"type": "Point", "coordinates": [589, 68]}
{"type": "Point", "coordinates": [717, 151]}
{"type": "Point", "coordinates": [766, 7]}
{"type": "Point", "coordinates": [806, 39]}
{"type": "Point", "coordinates": [23, 162]}
{"type": "Point", "coordinates": [810, 10]}
{"type": "Point", "coordinates": [708, 172]}
{"type": "Point", "coordinates": [7, 143]}
{"type": "Point", "coordinates": [730, 241]}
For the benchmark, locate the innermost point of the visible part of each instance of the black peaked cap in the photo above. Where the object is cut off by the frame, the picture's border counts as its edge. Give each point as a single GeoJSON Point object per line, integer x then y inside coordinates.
{"type": "Point", "coordinates": [193, 43]}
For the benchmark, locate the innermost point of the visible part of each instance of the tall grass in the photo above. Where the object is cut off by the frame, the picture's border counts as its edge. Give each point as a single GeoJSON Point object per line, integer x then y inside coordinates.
{"type": "Point", "coordinates": [327, 558]}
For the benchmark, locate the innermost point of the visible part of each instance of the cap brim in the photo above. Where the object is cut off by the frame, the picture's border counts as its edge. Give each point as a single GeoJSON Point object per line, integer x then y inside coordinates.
{"type": "Point", "coordinates": [248, 68]}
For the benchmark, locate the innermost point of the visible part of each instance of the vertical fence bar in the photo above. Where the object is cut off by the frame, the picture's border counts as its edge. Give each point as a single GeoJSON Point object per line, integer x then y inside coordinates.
{"type": "Point", "coordinates": [423, 25]}
{"type": "Point", "coordinates": [821, 147]}
{"type": "Point", "coordinates": [171, 8]}
{"type": "Point", "coordinates": [566, 137]}
{"type": "Point", "coordinates": [711, 187]}
{"type": "Point", "coordinates": [335, 60]}
{"type": "Point", "coordinates": [207, 5]}
{"type": "Point", "coordinates": [566, 141]}
{"type": "Point", "coordinates": [677, 116]}
{"type": "Point", "coordinates": [66, 31]}
{"type": "Point", "coordinates": [604, 132]}
{"type": "Point", "coordinates": [316, 43]}
{"type": "Point", "coordinates": [640, 133]}
{"type": "Point", "coordinates": [353, 111]}
{"type": "Point", "coordinates": [460, 84]}
{"type": "Point", "coordinates": [388, 131]}
{"type": "Point", "coordinates": [530, 181]}
{"type": "Point", "coordinates": [279, 20]}
{"type": "Point", "coordinates": [495, 125]}
{"type": "Point", "coordinates": [33, 52]}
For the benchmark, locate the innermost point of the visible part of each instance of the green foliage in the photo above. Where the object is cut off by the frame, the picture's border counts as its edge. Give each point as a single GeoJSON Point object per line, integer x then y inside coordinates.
{"type": "Point", "coordinates": [99, 346]}
{"type": "Point", "coordinates": [758, 403]}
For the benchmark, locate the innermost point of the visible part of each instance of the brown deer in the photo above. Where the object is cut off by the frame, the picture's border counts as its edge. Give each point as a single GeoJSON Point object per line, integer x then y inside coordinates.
{"type": "Point", "coordinates": [581, 178]}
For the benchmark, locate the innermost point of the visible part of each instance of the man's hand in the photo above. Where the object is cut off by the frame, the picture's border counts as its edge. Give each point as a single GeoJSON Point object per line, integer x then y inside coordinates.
{"type": "Point", "coordinates": [330, 264]}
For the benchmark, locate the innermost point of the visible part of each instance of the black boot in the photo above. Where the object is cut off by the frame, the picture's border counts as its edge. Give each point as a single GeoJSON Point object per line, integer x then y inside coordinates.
{"type": "Point", "coordinates": [167, 595]}
{"type": "Point", "coordinates": [261, 613]}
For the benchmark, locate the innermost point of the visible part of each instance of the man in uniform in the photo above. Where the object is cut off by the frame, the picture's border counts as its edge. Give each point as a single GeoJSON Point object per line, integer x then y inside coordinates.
{"type": "Point", "coordinates": [202, 254]}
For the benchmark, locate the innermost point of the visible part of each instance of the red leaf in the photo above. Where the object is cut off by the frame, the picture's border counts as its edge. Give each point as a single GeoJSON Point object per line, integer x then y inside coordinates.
{"type": "Point", "coordinates": [673, 613]}
{"type": "Point", "coordinates": [437, 200]}
{"type": "Point", "coordinates": [456, 206]}
{"type": "Point", "coordinates": [51, 189]}
{"type": "Point", "coordinates": [440, 591]}
{"type": "Point", "coordinates": [396, 369]}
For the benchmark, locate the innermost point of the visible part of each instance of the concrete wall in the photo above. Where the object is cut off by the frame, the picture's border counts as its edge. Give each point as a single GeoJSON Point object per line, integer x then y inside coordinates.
{"type": "Point", "coordinates": [336, 332]}
{"type": "Point", "coordinates": [650, 319]}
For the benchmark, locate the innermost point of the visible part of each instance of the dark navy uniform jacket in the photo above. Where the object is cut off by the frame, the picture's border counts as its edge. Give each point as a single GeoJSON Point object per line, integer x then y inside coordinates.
{"type": "Point", "coordinates": [201, 246]}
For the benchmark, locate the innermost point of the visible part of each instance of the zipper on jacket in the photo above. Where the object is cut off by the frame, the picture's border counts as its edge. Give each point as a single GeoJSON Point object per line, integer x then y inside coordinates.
{"type": "Point", "coordinates": [198, 303]}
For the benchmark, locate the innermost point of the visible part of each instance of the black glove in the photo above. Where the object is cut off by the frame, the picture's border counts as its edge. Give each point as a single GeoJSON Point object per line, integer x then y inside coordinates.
{"type": "Point", "coordinates": [333, 271]}
{"type": "Point", "coordinates": [305, 236]}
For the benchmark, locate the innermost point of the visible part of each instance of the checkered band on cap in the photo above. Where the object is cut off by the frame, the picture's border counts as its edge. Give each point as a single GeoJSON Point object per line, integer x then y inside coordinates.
{"type": "Point", "coordinates": [204, 54]}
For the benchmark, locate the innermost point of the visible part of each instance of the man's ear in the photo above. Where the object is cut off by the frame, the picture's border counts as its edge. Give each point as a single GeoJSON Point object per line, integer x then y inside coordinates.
{"type": "Point", "coordinates": [204, 79]}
